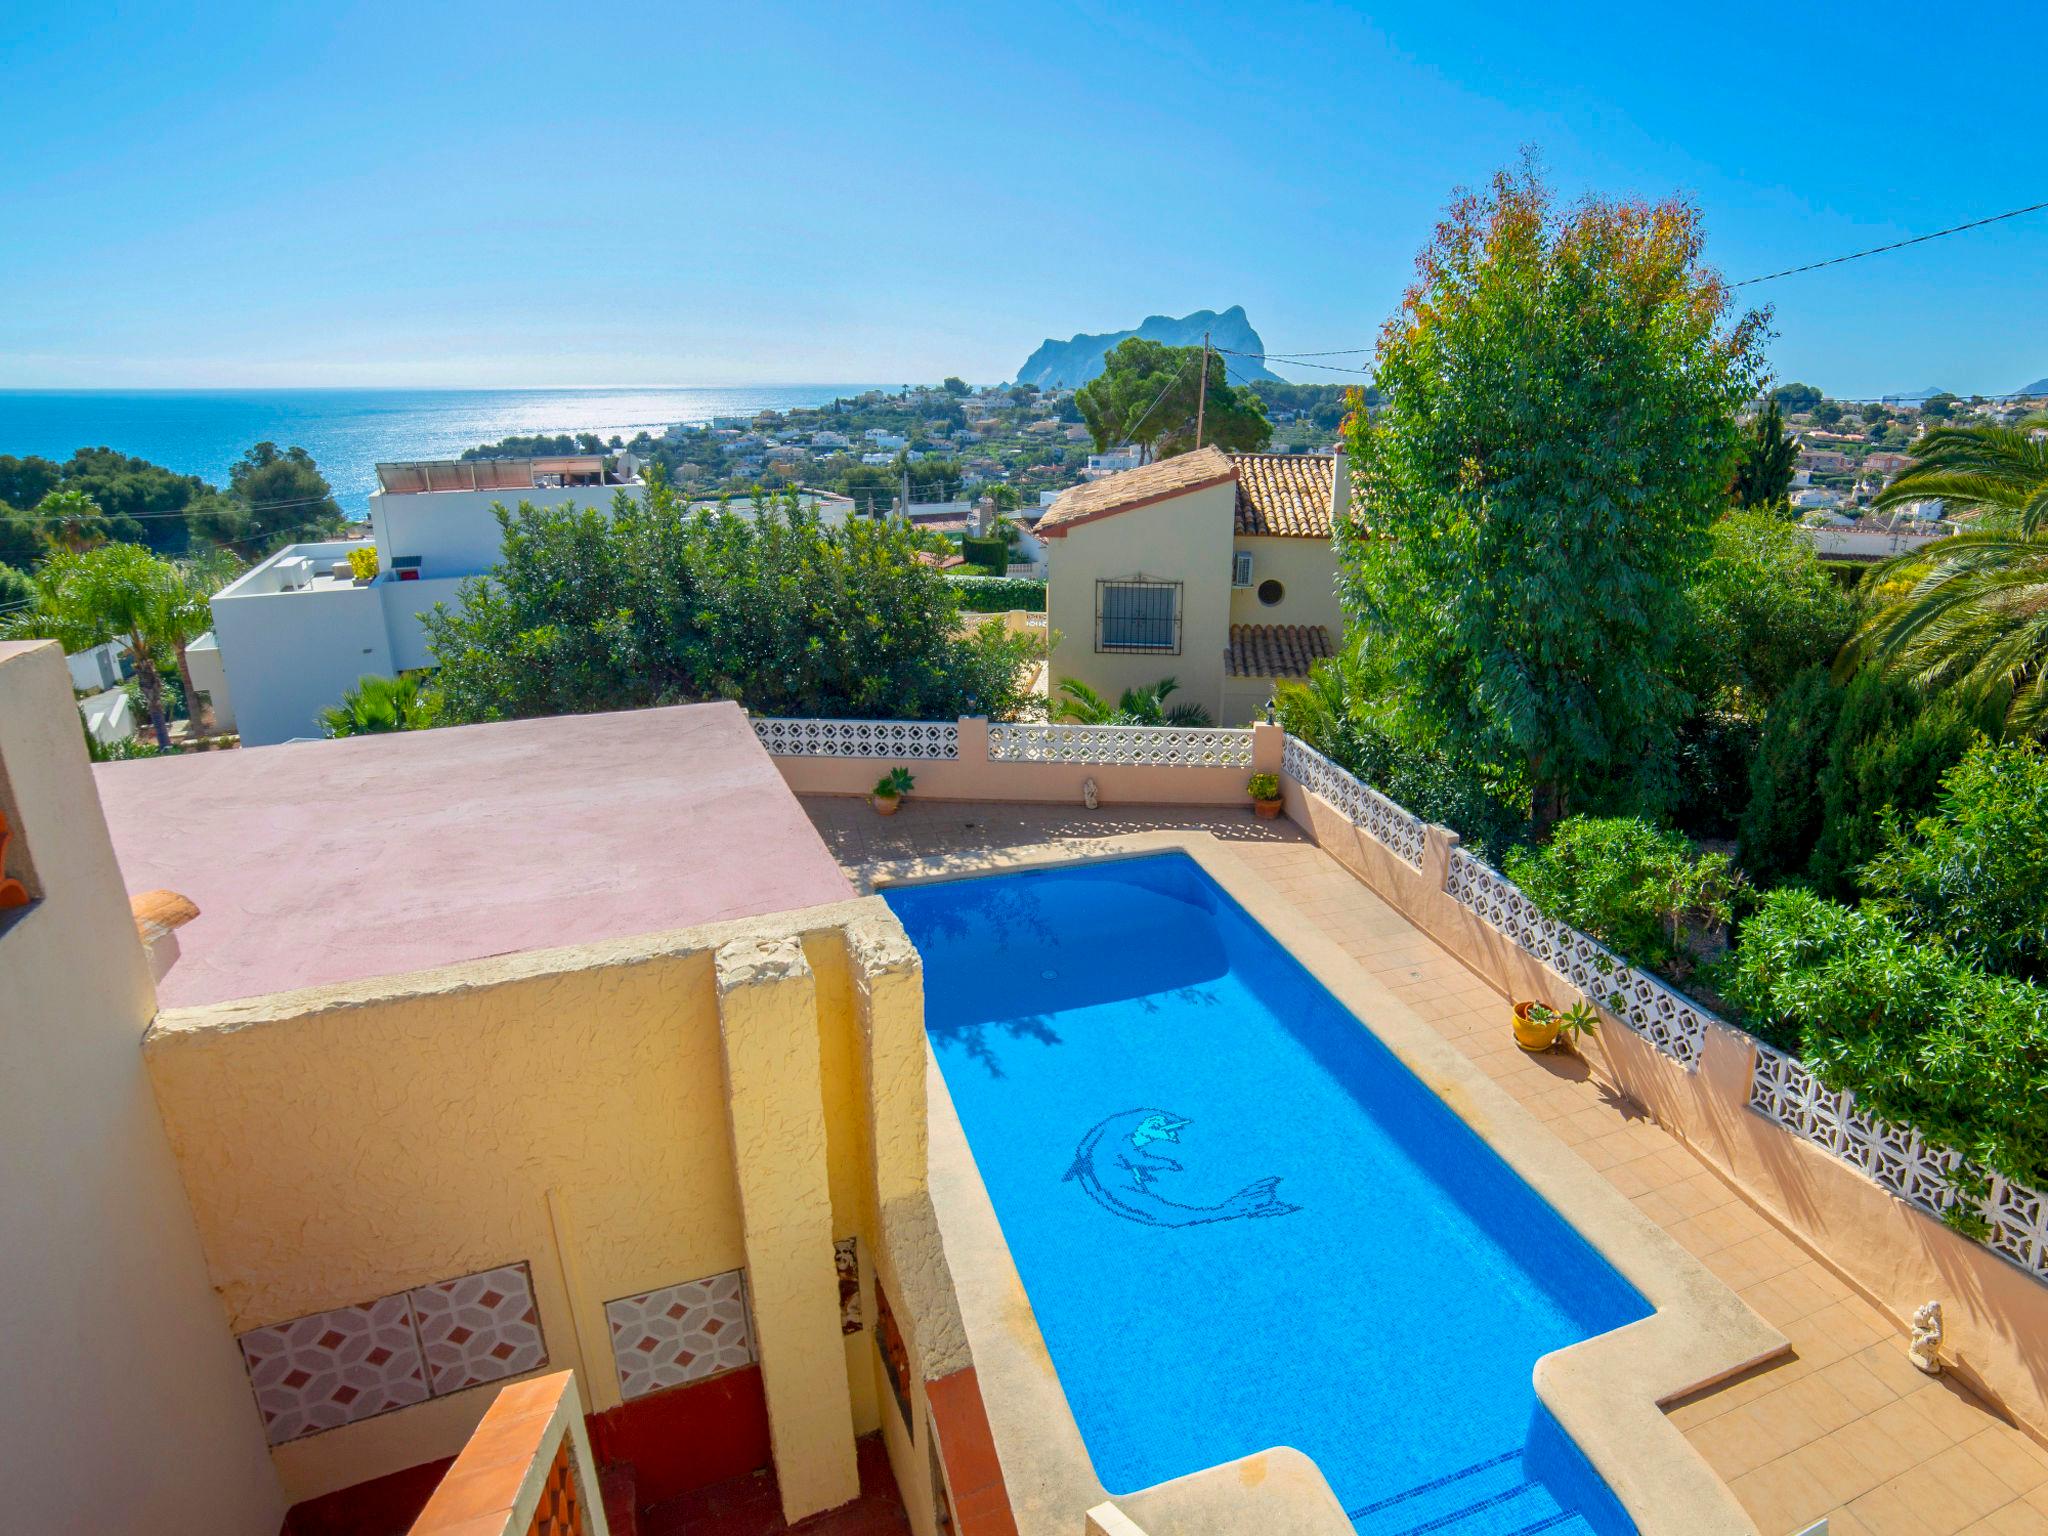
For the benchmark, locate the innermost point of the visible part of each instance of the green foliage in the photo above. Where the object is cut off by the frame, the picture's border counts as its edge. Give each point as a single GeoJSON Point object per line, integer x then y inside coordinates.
{"type": "Point", "coordinates": [1999, 471]}
{"type": "Point", "coordinates": [1712, 763]}
{"type": "Point", "coordinates": [1138, 706]}
{"type": "Point", "coordinates": [362, 562]}
{"type": "Point", "coordinates": [1263, 786]}
{"type": "Point", "coordinates": [1637, 888]}
{"type": "Point", "coordinates": [1763, 476]}
{"type": "Point", "coordinates": [1763, 610]}
{"type": "Point", "coordinates": [26, 481]}
{"type": "Point", "coordinates": [278, 495]}
{"type": "Point", "coordinates": [654, 604]}
{"type": "Point", "coordinates": [1346, 711]}
{"type": "Point", "coordinates": [113, 591]}
{"type": "Point", "coordinates": [1560, 431]}
{"type": "Point", "coordinates": [1796, 397]}
{"type": "Point", "coordinates": [1975, 871]}
{"type": "Point", "coordinates": [1147, 394]}
{"type": "Point", "coordinates": [954, 385]}
{"type": "Point", "coordinates": [895, 784]}
{"type": "Point", "coordinates": [990, 555]}
{"type": "Point", "coordinates": [17, 590]}
{"type": "Point", "coordinates": [378, 704]}
{"type": "Point", "coordinates": [1887, 753]}
{"type": "Point", "coordinates": [140, 499]}
{"type": "Point", "coordinates": [1921, 1036]}
{"type": "Point", "coordinates": [999, 594]}
{"type": "Point", "coordinates": [1783, 819]}
{"type": "Point", "coordinates": [22, 540]}
{"type": "Point", "coordinates": [70, 519]}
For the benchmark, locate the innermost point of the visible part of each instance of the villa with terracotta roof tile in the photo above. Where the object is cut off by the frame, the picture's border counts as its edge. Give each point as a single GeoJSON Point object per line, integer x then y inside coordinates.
{"type": "Point", "coordinates": [1218, 570]}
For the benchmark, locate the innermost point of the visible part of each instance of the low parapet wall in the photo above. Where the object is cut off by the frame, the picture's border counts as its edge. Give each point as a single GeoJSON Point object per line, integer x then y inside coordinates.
{"type": "Point", "coordinates": [975, 760]}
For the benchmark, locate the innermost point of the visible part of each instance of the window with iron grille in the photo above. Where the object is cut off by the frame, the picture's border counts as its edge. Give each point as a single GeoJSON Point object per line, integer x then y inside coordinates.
{"type": "Point", "coordinates": [1137, 616]}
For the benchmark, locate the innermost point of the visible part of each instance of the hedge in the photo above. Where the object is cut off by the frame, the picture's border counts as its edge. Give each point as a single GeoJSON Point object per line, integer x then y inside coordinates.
{"type": "Point", "coordinates": [994, 553]}
{"type": "Point", "coordinates": [999, 594]}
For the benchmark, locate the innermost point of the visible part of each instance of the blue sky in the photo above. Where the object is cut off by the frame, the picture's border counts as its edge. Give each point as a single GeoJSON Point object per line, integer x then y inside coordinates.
{"type": "Point", "coordinates": [517, 194]}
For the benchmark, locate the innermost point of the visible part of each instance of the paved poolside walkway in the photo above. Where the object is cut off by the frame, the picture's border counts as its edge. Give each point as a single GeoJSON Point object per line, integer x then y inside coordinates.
{"type": "Point", "coordinates": [1844, 1427]}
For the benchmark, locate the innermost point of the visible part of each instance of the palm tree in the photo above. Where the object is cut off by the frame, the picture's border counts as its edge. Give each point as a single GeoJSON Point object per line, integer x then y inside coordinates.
{"type": "Point", "coordinates": [1996, 472]}
{"type": "Point", "coordinates": [1969, 614]}
{"type": "Point", "coordinates": [112, 592]}
{"type": "Point", "coordinates": [377, 704]}
{"type": "Point", "coordinates": [1138, 706]}
{"type": "Point", "coordinates": [188, 615]}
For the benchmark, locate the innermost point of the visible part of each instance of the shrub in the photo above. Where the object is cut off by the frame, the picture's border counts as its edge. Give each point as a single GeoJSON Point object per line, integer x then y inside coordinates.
{"type": "Point", "coordinates": [362, 562]}
{"type": "Point", "coordinates": [1976, 871]}
{"type": "Point", "coordinates": [1263, 786]}
{"type": "Point", "coordinates": [999, 594]}
{"type": "Point", "coordinates": [1713, 763]}
{"type": "Point", "coordinates": [1345, 712]}
{"type": "Point", "coordinates": [1762, 611]}
{"type": "Point", "coordinates": [1783, 821]}
{"type": "Point", "coordinates": [1887, 753]}
{"type": "Point", "coordinates": [992, 555]}
{"type": "Point", "coordinates": [1921, 1036]}
{"type": "Point", "coordinates": [1638, 889]}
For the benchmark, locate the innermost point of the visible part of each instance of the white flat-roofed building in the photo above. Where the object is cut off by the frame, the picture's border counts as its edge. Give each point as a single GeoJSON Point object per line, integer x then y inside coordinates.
{"type": "Point", "coordinates": [300, 629]}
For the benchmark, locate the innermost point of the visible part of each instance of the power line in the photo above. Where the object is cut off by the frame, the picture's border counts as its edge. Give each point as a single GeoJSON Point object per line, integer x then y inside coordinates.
{"type": "Point", "coordinates": [1328, 367]}
{"type": "Point", "coordinates": [1896, 245]}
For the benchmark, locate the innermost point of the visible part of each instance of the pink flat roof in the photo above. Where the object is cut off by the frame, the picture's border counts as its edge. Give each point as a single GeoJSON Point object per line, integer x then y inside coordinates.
{"type": "Point", "coordinates": [322, 862]}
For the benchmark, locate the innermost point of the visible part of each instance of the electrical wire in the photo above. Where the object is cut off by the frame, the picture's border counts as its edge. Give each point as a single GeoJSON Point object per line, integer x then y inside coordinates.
{"type": "Point", "coordinates": [1896, 245]}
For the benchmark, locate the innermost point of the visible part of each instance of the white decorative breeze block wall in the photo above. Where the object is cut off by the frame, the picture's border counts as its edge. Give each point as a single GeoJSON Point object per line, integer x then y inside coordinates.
{"type": "Point", "coordinates": [680, 1333]}
{"type": "Point", "coordinates": [1133, 746]}
{"type": "Point", "coordinates": [1896, 1157]}
{"type": "Point", "coordinates": [1387, 823]}
{"type": "Point", "coordinates": [911, 740]}
{"type": "Point", "coordinates": [1672, 1022]}
{"type": "Point", "coordinates": [351, 1363]}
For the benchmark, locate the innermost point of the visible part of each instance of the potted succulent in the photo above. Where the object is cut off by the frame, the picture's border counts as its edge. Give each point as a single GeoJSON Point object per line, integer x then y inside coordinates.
{"type": "Point", "coordinates": [1264, 788]}
{"type": "Point", "coordinates": [1538, 1026]}
{"type": "Point", "coordinates": [890, 790]}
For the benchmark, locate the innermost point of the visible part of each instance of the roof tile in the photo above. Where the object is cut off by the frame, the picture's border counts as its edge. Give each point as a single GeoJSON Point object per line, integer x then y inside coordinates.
{"type": "Point", "coordinates": [1275, 650]}
{"type": "Point", "coordinates": [1286, 495]}
{"type": "Point", "coordinates": [1134, 487]}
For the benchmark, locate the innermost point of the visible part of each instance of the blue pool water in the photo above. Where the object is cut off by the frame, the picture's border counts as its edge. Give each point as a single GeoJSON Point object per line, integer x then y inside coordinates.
{"type": "Point", "coordinates": [1241, 1222]}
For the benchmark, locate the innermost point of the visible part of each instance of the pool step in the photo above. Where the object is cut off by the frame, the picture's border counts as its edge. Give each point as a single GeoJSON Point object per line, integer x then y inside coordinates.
{"type": "Point", "coordinates": [1488, 1498]}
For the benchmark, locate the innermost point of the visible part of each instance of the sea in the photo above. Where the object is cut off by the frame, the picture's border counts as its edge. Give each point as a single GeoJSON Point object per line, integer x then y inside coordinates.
{"type": "Point", "coordinates": [350, 431]}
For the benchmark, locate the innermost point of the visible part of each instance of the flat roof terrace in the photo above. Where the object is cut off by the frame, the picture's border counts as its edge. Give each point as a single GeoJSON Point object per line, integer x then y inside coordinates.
{"type": "Point", "coordinates": [315, 863]}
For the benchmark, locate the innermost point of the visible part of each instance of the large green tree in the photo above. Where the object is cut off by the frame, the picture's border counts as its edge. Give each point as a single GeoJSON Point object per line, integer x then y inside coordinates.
{"type": "Point", "coordinates": [1764, 609]}
{"type": "Point", "coordinates": [1148, 394]}
{"type": "Point", "coordinates": [1559, 431]}
{"type": "Point", "coordinates": [656, 603]}
{"type": "Point", "coordinates": [275, 495]}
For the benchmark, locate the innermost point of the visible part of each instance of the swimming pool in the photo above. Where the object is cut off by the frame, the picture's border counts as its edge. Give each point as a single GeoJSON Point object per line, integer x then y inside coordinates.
{"type": "Point", "coordinates": [1241, 1221]}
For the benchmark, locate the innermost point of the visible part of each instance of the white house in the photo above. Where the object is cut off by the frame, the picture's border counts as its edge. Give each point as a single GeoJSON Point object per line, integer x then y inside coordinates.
{"type": "Point", "coordinates": [294, 634]}
{"type": "Point", "coordinates": [300, 629]}
{"type": "Point", "coordinates": [883, 438]}
{"type": "Point", "coordinates": [1114, 462]}
{"type": "Point", "coordinates": [102, 666]}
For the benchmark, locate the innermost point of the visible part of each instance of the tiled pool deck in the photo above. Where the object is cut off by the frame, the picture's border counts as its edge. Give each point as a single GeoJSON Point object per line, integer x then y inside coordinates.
{"type": "Point", "coordinates": [1844, 1427]}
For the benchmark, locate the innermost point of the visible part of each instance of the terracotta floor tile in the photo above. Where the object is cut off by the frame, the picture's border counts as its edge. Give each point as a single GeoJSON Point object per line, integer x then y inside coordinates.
{"type": "Point", "coordinates": [1780, 1496]}
{"type": "Point", "coordinates": [2010, 1457]}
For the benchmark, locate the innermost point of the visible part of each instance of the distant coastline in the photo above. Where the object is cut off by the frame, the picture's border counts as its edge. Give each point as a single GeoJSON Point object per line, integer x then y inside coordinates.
{"type": "Point", "coordinates": [349, 431]}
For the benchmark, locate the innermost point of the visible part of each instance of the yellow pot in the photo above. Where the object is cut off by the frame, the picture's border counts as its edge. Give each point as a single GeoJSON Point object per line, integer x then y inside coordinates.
{"type": "Point", "coordinates": [1532, 1034]}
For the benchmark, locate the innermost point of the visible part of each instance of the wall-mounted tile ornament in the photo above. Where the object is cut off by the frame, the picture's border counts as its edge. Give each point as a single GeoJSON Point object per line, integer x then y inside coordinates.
{"type": "Point", "coordinates": [846, 1257]}
{"type": "Point", "coordinates": [334, 1368]}
{"type": "Point", "coordinates": [479, 1329]}
{"type": "Point", "coordinates": [680, 1333]}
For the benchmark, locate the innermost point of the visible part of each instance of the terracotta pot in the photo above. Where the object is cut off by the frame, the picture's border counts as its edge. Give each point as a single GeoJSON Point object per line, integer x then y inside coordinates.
{"type": "Point", "coordinates": [885, 805]}
{"type": "Point", "coordinates": [1531, 1034]}
{"type": "Point", "coordinates": [1268, 808]}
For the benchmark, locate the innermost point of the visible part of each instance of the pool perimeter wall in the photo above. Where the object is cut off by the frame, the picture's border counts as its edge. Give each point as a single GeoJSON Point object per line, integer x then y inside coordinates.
{"type": "Point", "coordinates": [1895, 1255]}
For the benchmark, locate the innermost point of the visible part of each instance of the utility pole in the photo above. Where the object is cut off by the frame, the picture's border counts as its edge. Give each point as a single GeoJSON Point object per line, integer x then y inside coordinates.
{"type": "Point", "coordinates": [1202, 398]}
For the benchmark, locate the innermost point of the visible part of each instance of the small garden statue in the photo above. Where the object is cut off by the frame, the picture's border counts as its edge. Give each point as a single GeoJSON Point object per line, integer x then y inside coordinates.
{"type": "Point", "coordinates": [1088, 793]}
{"type": "Point", "coordinates": [1927, 1338]}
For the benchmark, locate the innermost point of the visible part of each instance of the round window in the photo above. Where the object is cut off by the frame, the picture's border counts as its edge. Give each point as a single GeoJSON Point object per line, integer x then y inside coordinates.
{"type": "Point", "coordinates": [1270, 592]}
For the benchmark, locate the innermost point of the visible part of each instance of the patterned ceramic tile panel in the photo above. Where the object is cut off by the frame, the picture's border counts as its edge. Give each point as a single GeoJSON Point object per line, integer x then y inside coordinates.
{"type": "Point", "coordinates": [846, 1259]}
{"type": "Point", "coordinates": [334, 1368]}
{"type": "Point", "coordinates": [680, 1333]}
{"type": "Point", "coordinates": [483, 1327]}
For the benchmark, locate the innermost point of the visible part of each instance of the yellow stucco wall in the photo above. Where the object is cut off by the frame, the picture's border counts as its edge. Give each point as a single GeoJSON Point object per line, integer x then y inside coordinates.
{"type": "Point", "coordinates": [1307, 568]}
{"type": "Point", "coordinates": [123, 1404]}
{"type": "Point", "coordinates": [1185, 539]}
{"type": "Point", "coordinates": [566, 1107]}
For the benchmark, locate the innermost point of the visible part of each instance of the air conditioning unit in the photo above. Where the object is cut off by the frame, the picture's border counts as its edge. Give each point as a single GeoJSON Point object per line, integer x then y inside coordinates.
{"type": "Point", "coordinates": [1241, 568]}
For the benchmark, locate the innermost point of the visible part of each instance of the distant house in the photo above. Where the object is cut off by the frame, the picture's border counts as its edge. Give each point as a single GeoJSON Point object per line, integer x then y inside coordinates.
{"type": "Point", "coordinates": [1887, 463]}
{"type": "Point", "coordinates": [882, 438]}
{"type": "Point", "coordinates": [1114, 462]}
{"type": "Point", "coordinates": [1215, 569]}
{"type": "Point", "coordinates": [1824, 460]}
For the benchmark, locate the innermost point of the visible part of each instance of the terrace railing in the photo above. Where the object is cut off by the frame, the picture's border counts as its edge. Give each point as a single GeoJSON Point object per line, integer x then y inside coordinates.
{"type": "Point", "coordinates": [1390, 825]}
{"type": "Point", "coordinates": [913, 740]}
{"type": "Point", "coordinates": [1132, 746]}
